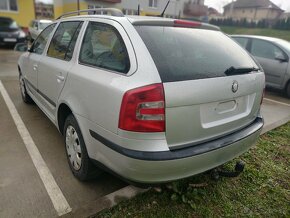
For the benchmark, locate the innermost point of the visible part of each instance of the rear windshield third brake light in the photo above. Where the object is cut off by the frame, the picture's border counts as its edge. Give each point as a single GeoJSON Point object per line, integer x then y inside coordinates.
{"type": "Point", "coordinates": [185, 23]}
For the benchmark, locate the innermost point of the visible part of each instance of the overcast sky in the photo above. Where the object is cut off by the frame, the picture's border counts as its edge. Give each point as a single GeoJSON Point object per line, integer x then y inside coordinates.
{"type": "Point", "coordinates": [218, 4]}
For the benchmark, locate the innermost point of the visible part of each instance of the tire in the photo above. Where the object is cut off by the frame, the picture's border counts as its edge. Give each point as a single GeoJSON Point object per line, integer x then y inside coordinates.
{"type": "Point", "coordinates": [25, 96]}
{"type": "Point", "coordinates": [76, 152]}
{"type": "Point", "coordinates": [288, 90]}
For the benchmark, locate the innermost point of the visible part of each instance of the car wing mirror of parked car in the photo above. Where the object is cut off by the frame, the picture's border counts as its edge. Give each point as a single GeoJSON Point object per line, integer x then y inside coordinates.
{"type": "Point", "coordinates": [281, 58]}
{"type": "Point", "coordinates": [21, 47]}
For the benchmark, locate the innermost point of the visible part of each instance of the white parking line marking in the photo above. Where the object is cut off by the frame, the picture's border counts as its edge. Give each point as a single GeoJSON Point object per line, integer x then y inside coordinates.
{"type": "Point", "coordinates": [278, 102]}
{"type": "Point", "coordinates": [58, 200]}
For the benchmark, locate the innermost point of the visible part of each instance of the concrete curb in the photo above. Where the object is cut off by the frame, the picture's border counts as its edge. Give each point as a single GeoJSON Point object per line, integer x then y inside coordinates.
{"type": "Point", "coordinates": [129, 192]}
{"type": "Point", "coordinates": [105, 202]}
{"type": "Point", "coordinates": [275, 125]}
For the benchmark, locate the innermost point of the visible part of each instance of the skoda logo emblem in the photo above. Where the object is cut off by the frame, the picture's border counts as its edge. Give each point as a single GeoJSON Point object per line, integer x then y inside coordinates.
{"type": "Point", "coordinates": [235, 86]}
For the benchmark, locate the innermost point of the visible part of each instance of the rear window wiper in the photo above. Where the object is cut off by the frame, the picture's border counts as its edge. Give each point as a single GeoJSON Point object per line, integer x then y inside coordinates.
{"type": "Point", "coordinates": [237, 71]}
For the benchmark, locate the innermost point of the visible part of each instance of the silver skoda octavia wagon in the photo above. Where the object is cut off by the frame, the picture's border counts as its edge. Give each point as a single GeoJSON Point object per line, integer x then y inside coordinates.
{"type": "Point", "coordinates": [150, 99]}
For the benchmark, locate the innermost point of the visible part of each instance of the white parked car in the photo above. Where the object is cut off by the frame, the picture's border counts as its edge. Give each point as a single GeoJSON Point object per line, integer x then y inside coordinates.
{"type": "Point", "coordinates": [36, 26]}
{"type": "Point", "coordinates": [149, 99]}
{"type": "Point", "coordinates": [273, 55]}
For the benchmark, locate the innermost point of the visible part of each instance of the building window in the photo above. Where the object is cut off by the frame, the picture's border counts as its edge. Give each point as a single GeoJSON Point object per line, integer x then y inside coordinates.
{"type": "Point", "coordinates": [8, 5]}
{"type": "Point", "coordinates": [130, 12]}
{"type": "Point", "coordinates": [97, 7]}
{"type": "Point", "coordinates": [153, 3]}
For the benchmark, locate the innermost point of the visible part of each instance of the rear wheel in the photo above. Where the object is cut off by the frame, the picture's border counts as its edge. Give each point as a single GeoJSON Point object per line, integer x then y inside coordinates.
{"type": "Point", "coordinates": [25, 97]}
{"type": "Point", "coordinates": [76, 151]}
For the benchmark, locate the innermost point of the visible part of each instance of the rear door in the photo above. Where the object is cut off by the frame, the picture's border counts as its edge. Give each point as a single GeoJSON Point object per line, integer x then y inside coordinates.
{"type": "Point", "coordinates": [53, 67]}
{"type": "Point", "coordinates": [202, 102]}
{"type": "Point", "coordinates": [267, 53]}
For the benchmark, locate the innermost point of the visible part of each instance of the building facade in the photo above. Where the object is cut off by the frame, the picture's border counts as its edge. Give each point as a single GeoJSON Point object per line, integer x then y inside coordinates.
{"type": "Point", "coordinates": [22, 11]}
{"type": "Point", "coordinates": [129, 7]}
{"type": "Point", "coordinates": [252, 10]}
{"type": "Point", "coordinates": [44, 10]}
{"type": "Point", "coordinates": [195, 8]}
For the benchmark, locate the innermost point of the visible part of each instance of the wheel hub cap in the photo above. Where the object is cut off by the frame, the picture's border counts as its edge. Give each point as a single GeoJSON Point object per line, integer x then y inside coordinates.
{"type": "Point", "coordinates": [73, 148]}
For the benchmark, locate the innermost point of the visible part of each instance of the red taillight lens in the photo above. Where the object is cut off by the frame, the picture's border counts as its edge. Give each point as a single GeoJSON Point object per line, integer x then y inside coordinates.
{"type": "Point", "coordinates": [143, 109]}
{"type": "Point", "coordinates": [185, 23]}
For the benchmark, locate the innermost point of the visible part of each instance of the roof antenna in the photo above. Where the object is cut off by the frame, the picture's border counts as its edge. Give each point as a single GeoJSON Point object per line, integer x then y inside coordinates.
{"type": "Point", "coordinates": [162, 14]}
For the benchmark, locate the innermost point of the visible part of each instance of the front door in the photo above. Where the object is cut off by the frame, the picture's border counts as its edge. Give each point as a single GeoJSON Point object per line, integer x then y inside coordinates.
{"type": "Point", "coordinates": [269, 56]}
{"type": "Point", "coordinates": [35, 54]}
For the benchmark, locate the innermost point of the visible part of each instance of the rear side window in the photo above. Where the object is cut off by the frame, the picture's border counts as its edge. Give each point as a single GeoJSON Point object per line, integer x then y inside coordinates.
{"type": "Point", "coordinates": [265, 49]}
{"type": "Point", "coordinates": [189, 54]}
{"type": "Point", "coordinates": [242, 41]}
{"type": "Point", "coordinates": [103, 47]}
{"type": "Point", "coordinates": [64, 39]}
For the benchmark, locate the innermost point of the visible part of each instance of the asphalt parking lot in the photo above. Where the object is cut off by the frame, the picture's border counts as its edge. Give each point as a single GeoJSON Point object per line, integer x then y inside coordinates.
{"type": "Point", "coordinates": [23, 192]}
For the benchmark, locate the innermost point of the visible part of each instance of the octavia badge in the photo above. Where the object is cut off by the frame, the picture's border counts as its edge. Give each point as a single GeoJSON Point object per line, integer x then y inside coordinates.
{"type": "Point", "coordinates": [235, 86]}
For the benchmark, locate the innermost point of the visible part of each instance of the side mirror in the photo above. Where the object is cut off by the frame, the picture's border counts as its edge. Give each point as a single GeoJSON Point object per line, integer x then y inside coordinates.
{"type": "Point", "coordinates": [281, 58]}
{"type": "Point", "coordinates": [21, 47]}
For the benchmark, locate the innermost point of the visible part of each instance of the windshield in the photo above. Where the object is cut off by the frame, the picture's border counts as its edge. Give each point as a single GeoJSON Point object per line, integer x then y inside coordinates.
{"type": "Point", "coordinates": [7, 24]}
{"type": "Point", "coordinates": [42, 26]}
{"type": "Point", "coordinates": [188, 54]}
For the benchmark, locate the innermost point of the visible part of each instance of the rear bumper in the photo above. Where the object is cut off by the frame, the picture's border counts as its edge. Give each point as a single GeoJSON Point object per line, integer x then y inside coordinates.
{"type": "Point", "coordinates": [165, 166]}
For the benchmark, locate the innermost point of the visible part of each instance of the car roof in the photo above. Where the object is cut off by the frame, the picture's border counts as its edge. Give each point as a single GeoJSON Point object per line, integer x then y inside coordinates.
{"type": "Point", "coordinates": [281, 42]}
{"type": "Point", "coordinates": [142, 20]}
{"type": "Point", "coordinates": [271, 39]}
{"type": "Point", "coordinates": [43, 21]}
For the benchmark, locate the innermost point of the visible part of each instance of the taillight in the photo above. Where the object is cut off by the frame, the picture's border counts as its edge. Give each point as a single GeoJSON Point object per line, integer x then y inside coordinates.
{"type": "Point", "coordinates": [143, 109]}
{"type": "Point", "coordinates": [186, 23]}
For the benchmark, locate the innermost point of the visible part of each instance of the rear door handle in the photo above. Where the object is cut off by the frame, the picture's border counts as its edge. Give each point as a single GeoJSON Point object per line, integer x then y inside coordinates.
{"type": "Point", "coordinates": [60, 78]}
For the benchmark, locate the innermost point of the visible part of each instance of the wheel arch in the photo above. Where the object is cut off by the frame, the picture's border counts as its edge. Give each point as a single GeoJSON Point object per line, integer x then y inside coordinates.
{"type": "Point", "coordinates": [19, 69]}
{"type": "Point", "coordinates": [62, 113]}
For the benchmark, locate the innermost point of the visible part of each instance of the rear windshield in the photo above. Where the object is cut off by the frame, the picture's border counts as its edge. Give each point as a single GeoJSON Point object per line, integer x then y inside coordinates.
{"type": "Point", "coordinates": [189, 54]}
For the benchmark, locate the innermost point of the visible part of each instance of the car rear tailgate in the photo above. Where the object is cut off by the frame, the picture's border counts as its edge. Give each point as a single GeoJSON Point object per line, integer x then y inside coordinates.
{"type": "Point", "coordinates": [202, 110]}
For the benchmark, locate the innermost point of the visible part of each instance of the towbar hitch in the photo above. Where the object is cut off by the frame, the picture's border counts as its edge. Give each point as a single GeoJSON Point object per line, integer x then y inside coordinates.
{"type": "Point", "coordinates": [239, 168]}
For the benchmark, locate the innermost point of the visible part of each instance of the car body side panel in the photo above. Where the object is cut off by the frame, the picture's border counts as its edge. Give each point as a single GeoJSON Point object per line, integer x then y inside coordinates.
{"type": "Point", "coordinates": [274, 71]}
{"type": "Point", "coordinates": [96, 93]}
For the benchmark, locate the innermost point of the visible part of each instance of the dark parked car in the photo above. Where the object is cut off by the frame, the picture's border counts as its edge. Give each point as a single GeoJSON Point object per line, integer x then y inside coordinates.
{"type": "Point", "coordinates": [273, 54]}
{"type": "Point", "coordinates": [10, 32]}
